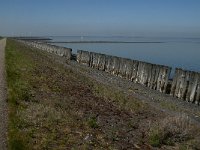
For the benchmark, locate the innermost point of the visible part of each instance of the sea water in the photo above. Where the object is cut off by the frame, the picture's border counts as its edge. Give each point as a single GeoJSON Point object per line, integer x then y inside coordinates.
{"type": "Point", "coordinates": [174, 52]}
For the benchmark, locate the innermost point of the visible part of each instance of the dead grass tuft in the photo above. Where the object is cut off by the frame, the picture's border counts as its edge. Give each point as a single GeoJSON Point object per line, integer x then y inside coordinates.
{"type": "Point", "coordinates": [170, 130]}
{"type": "Point", "coordinates": [37, 113]}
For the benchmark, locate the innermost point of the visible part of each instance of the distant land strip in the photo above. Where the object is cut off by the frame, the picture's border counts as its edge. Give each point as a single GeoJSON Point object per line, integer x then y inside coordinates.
{"type": "Point", "coordinates": [33, 38]}
{"type": "Point", "coordinates": [102, 42]}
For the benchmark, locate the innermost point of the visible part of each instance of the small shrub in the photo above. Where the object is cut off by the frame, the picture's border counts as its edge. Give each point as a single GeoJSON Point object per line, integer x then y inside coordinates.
{"type": "Point", "coordinates": [155, 138]}
{"type": "Point", "coordinates": [17, 145]}
{"type": "Point", "coordinates": [92, 122]}
{"type": "Point", "coordinates": [183, 147]}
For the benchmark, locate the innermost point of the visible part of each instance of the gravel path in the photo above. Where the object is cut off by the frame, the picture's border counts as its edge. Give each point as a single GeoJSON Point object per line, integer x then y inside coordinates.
{"type": "Point", "coordinates": [3, 103]}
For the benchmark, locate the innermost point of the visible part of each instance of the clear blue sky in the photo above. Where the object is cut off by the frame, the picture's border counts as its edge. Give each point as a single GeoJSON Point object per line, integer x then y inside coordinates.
{"type": "Point", "coordinates": [100, 17]}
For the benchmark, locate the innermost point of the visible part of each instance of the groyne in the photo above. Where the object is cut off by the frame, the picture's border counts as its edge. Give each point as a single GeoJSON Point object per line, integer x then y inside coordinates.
{"type": "Point", "coordinates": [74, 42]}
{"type": "Point", "coordinates": [185, 84]}
{"type": "Point", "coordinates": [61, 51]}
{"type": "Point", "coordinates": [150, 75]}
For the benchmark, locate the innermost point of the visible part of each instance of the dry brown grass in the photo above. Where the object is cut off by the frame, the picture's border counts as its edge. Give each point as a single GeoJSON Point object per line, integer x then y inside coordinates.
{"type": "Point", "coordinates": [171, 130]}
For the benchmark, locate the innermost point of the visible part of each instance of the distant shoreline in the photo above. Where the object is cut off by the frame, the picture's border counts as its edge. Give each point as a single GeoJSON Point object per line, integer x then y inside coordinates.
{"type": "Point", "coordinates": [33, 38]}
{"type": "Point", "coordinates": [102, 42]}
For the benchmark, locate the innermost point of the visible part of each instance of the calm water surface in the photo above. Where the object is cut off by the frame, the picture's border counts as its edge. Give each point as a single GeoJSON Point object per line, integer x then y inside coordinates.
{"type": "Point", "coordinates": [174, 52]}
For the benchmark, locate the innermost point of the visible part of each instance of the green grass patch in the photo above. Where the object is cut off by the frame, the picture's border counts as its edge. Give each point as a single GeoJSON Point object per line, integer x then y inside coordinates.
{"type": "Point", "coordinates": [169, 106]}
{"type": "Point", "coordinates": [18, 90]}
{"type": "Point", "coordinates": [118, 97]}
{"type": "Point", "coordinates": [92, 122]}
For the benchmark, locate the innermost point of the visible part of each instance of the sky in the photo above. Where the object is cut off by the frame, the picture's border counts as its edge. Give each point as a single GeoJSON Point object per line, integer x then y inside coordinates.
{"type": "Point", "coordinates": [179, 18]}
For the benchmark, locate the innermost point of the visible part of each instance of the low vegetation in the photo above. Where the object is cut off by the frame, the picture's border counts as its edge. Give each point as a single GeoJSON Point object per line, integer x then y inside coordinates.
{"type": "Point", "coordinates": [172, 130]}
{"type": "Point", "coordinates": [54, 107]}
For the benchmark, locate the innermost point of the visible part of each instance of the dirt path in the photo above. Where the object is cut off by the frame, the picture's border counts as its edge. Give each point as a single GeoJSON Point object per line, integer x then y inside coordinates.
{"type": "Point", "coordinates": [3, 103]}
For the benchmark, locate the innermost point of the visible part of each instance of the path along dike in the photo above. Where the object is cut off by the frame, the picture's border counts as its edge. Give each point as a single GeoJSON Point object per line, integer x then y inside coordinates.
{"type": "Point", "coordinates": [3, 103]}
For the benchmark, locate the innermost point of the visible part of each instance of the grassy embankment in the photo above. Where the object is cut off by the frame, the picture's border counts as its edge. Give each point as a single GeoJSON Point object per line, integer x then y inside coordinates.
{"type": "Point", "coordinates": [52, 107]}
